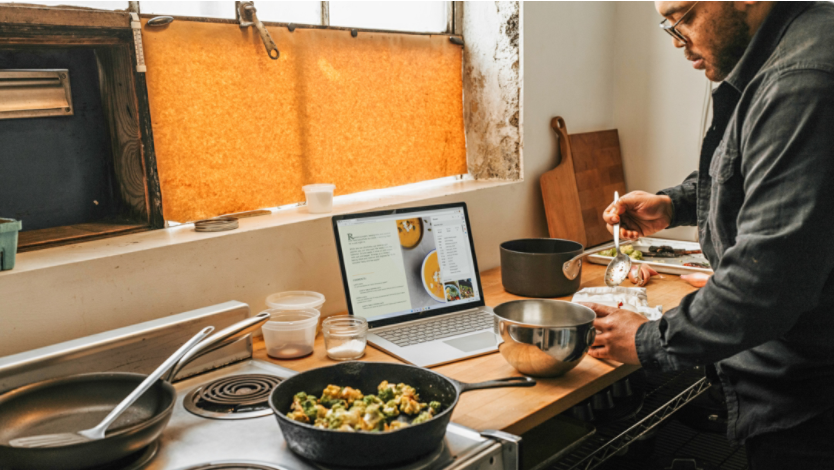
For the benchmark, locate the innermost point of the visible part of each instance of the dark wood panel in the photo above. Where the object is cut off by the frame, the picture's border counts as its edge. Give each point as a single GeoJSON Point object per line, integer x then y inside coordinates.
{"type": "Point", "coordinates": [120, 108]}
{"type": "Point", "coordinates": [78, 17]}
{"type": "Point", "coordinates": [57, 236]}
{"type": "Point", "coordinates": [149, 152]}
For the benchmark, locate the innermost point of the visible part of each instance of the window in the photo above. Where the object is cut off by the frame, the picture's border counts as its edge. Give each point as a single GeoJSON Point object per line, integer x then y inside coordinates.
{"type": "Point", "coordinates": [364, 110]}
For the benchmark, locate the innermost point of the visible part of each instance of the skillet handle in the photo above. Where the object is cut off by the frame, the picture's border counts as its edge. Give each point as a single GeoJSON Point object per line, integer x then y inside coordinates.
{"type": "Point", "coordinates": [498, 383]}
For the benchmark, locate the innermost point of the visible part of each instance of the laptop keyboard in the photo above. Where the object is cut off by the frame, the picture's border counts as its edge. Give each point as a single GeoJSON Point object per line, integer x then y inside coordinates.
{"type": "Point", "coordinates": [453, 325]}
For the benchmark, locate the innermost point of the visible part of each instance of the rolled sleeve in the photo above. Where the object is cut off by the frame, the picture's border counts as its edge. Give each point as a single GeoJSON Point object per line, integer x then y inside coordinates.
{"type": "Point", "coordinates": [650, 352]}
{"type": "Point", "coordinates": [684, 200]}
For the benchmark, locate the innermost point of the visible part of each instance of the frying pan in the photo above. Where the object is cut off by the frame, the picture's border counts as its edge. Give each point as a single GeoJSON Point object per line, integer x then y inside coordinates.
{"type": "Point", "coordinates": [81, 401]}
{"type": "Point", "coordinates": [365, 449]}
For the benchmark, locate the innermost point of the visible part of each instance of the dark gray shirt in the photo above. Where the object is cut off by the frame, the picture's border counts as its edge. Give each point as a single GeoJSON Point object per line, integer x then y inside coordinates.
{"type": "Point", "coordinates": [763, 201]}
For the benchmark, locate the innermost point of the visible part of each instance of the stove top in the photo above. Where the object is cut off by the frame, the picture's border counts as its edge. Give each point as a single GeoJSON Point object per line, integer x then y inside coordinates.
{"type": "Point", "coordinates": [233, 397]}
{"type": "Point", "coordinates": [196, 438]}
{"type": "Point", "coordinates": [221, 419]}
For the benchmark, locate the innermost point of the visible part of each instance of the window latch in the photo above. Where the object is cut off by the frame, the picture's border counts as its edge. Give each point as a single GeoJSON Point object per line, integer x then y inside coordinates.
{"type": "Point", "coordinates": [247, 16]}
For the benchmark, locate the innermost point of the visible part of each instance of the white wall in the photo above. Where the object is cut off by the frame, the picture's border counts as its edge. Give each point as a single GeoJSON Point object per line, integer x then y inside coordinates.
{"type": "Point", "coordinates": [573, 54]}
{"type": "Point", "coordinates": [658, 102]}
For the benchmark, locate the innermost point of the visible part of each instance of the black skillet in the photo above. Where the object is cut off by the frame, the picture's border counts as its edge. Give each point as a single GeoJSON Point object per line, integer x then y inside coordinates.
{"type": "Point", "coordinates": [365, 449]}
{"type": "Point", "coordinates": [81, 402]}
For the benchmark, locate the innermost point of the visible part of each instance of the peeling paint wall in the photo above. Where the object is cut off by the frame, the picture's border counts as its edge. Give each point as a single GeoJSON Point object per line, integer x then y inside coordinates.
{"type": "Point", "coordinates": [492, 79]}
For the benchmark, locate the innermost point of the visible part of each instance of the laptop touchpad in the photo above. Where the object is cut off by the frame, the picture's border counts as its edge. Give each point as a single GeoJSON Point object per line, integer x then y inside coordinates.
{"type": "Point", "coordinates": [474, 342]}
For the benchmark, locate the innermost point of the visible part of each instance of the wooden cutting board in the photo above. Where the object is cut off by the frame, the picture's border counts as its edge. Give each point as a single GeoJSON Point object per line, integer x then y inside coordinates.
{"type": "Point", "coordinates": [582, 184]}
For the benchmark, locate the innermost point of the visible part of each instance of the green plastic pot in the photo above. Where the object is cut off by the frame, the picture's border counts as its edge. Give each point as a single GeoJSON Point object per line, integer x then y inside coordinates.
{"type": "Point", "coordinates": [8, 242]}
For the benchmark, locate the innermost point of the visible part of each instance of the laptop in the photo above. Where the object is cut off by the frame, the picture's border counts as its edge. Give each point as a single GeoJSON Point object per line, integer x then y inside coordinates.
{"type": "Point", "coordinates": [413, 275]}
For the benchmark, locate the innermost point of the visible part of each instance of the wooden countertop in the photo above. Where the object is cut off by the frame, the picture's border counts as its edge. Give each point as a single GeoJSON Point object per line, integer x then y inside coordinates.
{"type": "Point", "coordinates": [516, 410]}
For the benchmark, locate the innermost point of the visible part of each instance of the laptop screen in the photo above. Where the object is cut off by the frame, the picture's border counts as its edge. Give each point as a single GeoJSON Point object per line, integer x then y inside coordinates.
{"type": "Point", "coordinates": [406, 264]}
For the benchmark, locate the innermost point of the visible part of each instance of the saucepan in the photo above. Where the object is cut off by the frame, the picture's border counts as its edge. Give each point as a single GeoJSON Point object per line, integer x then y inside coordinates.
{"type": "Point", "coordinates": [533, 267]}
{"type": "Point", "coordinates": [373, 449]}
{"type": "Point", "coordinates": [69, 404]}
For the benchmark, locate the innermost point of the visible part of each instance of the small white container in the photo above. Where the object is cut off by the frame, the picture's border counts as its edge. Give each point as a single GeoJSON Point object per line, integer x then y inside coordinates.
{"type": "Point", "coordinates": [295, 300]}
{"type": "Point", "coordinates": [290, 334]}
{"type": "Point", "coordinates": [319, 197]}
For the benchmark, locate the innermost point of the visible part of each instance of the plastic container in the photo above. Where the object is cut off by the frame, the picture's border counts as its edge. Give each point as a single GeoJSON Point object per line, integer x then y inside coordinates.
{"type": "Point", "coordinates": [8, 242]}
{"type": "Point", "coordinates": [296, 300]}
{"type": "Point", "coordinates": [345, 337]}
{"type": "Point", "coordinates": [290, 334]}
{"type": "Point", "coordinates": [319, 197]}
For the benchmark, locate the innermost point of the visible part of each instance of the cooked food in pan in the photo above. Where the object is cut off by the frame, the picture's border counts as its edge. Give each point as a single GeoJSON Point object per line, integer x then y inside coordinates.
{"type": "Point", "coordinates": [348, 409]}
{"type": "Point", "coordinates": [626, 250]}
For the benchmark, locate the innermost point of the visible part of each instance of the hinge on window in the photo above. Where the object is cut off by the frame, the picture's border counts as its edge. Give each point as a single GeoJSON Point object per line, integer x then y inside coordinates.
{"type": "Point", "coordinates": [247, 16]}
{"type": "Point", "coordinates": [136, 26]}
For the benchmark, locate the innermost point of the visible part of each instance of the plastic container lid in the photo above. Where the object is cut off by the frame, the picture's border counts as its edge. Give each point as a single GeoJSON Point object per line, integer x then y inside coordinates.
{"type": "Point", "coordinates": [295, 300]}
{"type": "Point", "coordinates": [292, 320]}
{"type": "Point", "coordinates": [319, 188]}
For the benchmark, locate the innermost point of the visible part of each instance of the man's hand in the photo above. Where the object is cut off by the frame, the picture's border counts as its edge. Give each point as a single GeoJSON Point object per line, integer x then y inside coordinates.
{"type": "Point", "coordinates": [616, 329]}
{"type": "Point", "coordinates": [639, 214]}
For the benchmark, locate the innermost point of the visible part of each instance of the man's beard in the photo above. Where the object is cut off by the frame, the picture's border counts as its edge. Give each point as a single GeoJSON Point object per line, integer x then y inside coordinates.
{"type": "Point", "coordinates": [730, 47]}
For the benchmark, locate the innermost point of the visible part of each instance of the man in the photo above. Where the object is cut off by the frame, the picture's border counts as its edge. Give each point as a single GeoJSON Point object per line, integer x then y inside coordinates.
{"type": "Point", "coordinates": [763, 201]}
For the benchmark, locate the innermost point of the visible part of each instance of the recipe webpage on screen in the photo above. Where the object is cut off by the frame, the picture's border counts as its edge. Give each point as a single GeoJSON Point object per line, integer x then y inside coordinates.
{"type": "Point", "coordinates": [405, 263]}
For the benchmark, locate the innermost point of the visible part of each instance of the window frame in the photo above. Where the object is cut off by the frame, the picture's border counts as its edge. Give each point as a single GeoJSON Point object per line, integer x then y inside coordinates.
{"type": "Point", "coordinates": [454, 21]}
{"type": "Point", "coordinates": [109, 33]}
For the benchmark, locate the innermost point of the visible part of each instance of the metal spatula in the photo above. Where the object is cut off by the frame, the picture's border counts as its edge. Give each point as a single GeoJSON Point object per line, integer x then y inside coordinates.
{"type": "Point", "coordinates": [69, 438]}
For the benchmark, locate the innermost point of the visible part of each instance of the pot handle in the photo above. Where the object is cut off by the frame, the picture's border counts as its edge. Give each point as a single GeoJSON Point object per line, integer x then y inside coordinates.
{"type": "Point", "coordinates": [498, 383]}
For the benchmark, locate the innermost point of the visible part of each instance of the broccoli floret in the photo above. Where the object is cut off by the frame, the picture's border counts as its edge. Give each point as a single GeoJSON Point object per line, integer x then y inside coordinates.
{"type": "Point", "coordinates": [627, 249]}
{"type": "Point", "coordinates": [309, 408]}
{"type": "Point", "coordinates": [390, 409]}
{"type": "Point", "coordinates": [638, 255]}
{"type": "Point", "coordinates": [606, 252]}
{"type": "Point", "coordinates": [331, 402]}
{"type": "Point", "coordinates": [422, 417]}
{"type": "Point", "coordinates": [386, 394]}
{"type": "Point", "coordinates": [371, 399]}
{"type": "Point", "coordinates": [435, 406]}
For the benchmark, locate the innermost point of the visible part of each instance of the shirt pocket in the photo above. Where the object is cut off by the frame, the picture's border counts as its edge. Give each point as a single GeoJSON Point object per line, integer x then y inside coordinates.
{"type": "Point", "coordinates": [724, 162]}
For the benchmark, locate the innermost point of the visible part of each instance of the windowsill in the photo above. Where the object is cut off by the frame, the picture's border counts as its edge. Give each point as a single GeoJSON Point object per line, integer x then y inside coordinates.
{"type": "Point", "coordinates": [181, 234]}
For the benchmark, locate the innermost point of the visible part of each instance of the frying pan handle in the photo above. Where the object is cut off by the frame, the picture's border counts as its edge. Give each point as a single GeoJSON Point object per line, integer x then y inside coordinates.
{"type": "Point", "coordinates": [498, 383]}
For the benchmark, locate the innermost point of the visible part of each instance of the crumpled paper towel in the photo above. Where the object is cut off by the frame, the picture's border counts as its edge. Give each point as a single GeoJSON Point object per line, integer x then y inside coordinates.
{"type": "Point", "coordinates": [633, 298]}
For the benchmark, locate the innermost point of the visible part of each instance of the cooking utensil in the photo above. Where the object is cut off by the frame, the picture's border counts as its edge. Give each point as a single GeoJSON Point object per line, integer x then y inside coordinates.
{"type": "Point", "coordinates": [544, 338]}
{"type": "Point", "coordinates": [574, 192]}
{"type": "Point", "coordinates": [365, 449]}
{"type": "Point", "coordinates": [532, 267]}
{"type": "Point", "coordinates": [97, 432]}
{"type": "Point", "coordinates": [572, 267]}
{"type": "Point", "coordinates": [559, 191]}
{"type": "Point", "coordinates": [224, 337]}
{"type": "Point", "coordinates": [79, 402]}
{"type": "Point", "coordinates": [617, 269]}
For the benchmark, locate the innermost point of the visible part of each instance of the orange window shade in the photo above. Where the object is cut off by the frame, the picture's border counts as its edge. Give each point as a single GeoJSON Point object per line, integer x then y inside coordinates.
{"type": "Point", "coordinates": [236, 131]}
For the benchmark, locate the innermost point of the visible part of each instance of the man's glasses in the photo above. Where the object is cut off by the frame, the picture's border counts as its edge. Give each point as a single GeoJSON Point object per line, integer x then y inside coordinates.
{"type": "Point", "coordinates": [672, 29]}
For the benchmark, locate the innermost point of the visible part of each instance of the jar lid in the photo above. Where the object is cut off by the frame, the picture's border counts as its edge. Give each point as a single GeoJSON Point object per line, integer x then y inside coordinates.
{"type": "Point", "coordinates": [295, 300]}
{"type": "Point", "coordinates": [291, 320]}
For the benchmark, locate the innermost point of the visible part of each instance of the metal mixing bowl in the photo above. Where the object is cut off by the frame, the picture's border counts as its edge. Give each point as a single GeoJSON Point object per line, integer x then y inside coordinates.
{"type": "Point", "coordinates": [544, 338]}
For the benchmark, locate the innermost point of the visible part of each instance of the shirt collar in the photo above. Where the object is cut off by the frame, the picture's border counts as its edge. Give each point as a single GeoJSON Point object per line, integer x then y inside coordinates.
{"type": "Point", "coordinates": [764, 42]}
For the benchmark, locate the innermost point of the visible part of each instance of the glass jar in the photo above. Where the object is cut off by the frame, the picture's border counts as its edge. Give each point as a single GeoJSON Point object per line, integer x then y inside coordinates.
{"type": "Point", "coordinates": [345, 337]}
